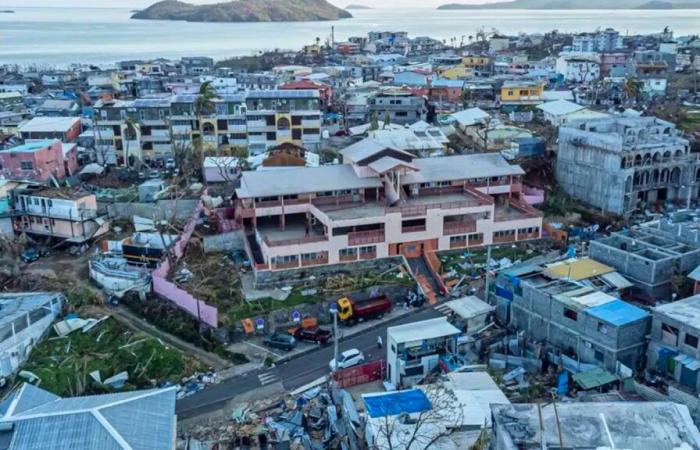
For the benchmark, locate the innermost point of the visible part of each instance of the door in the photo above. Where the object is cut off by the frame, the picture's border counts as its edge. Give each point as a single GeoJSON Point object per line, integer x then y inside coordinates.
{"type": "Point", "coordinates": [689, 378]}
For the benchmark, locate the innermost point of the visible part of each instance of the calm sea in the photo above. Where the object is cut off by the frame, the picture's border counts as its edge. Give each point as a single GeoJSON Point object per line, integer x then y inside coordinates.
{"type": "Point", "coordinates": [60, 36]}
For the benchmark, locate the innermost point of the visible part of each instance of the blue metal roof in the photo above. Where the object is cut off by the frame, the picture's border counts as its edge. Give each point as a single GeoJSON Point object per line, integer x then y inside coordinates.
{"type": "Point", "coordinates": [394, 403]}
{"type": "Point", "coordinates": [617, 313]}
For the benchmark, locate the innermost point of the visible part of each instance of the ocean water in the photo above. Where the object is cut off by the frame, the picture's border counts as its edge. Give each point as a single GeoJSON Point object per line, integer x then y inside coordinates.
{"type": "Point", "coordinates": [60, 36]}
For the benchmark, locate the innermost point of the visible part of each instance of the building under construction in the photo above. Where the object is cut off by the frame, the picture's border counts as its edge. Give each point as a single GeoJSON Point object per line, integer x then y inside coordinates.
{"type": "Point", "coordinates": [623, 164]}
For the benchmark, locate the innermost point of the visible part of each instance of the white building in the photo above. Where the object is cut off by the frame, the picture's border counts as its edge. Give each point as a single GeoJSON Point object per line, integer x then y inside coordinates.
{"type": "Point", "coordinates": [607, 40]}
{"type": "Point", "coordinates": [579, 68]}
{"type": "Point", "coordinates": [557, 112]}
{"type": "Point", "coordinates": [414, 349]}
{"type": "Point", "coordinates": [24, 320]}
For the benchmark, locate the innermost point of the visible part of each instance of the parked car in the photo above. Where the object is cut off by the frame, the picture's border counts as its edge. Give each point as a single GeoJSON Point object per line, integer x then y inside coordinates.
{"type": "Point", "coordinates": [282, 341]}
{"type": "Point", "coordinates": [347, 359]}
{"type": "Point", "coordinates": [31, 254]}
{"type": "Point", "coordinates": [316, 335]}
{"type": "Point", "coordinates": [169, 164]}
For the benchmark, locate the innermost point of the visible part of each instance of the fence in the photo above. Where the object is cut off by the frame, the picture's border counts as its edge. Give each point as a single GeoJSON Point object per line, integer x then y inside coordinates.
{"type": "Point", "coordinates": [365, 373]}
{"type": "Point", "coordinates": [184, 300]}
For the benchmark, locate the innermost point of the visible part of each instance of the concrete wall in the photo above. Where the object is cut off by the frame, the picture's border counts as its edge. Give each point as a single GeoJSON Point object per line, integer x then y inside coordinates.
{"type": "Point", "coordinates": [296, 277]}
{"type": "Point", "coordinates": [160, 210]}
{"type": "Point", "coordinates": [233, 240]}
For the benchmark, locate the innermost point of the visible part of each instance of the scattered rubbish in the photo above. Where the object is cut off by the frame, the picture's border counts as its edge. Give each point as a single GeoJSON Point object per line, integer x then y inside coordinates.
{"type": "Point", "coordinates": [184, 275]}
{"type": "Point", "coordinates": [117, 381]}
{"type": "Point", "coordinates": [95, 375]}
{"type": "Point", "coordinates": [31, 377]}
{"type": "Point", "coordinates": [309, 292]}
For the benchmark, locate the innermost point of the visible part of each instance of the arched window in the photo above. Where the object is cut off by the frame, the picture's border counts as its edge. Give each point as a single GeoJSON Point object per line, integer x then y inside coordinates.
{"type": "Point", "coordinates": [283, 123]}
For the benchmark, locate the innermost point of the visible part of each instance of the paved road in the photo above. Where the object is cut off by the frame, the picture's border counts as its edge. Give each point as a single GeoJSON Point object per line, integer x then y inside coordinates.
{"type": "Point", "coordinates": [295, 372]}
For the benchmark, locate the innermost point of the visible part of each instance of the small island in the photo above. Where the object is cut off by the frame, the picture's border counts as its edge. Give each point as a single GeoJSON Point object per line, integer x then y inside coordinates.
{"type": "Point", "coordinates": [244, 11]}
{"type": "Point", "coordinates": [6, 11]}
{"type": "Point", "coordinates": [363, 7]}
{"type": "Point", "coordinates": [578, 4]}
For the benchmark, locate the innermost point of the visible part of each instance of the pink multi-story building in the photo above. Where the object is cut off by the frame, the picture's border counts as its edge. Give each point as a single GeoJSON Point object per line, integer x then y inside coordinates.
{"type": "Point", "coordinates": [382, 202]}
{"type": "Point", "coordinates": [38, 161]}
{"type": "Point", "coordinates": [70, 215]}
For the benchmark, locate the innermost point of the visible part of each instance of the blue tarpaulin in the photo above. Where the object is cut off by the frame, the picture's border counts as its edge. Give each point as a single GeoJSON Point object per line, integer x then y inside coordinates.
{"type": "Point", "coordinates": [617, 313]}
{"type": "Point", "coordinates": [503, 292]}
{"type": "Point", "coordinates": [394, 403]}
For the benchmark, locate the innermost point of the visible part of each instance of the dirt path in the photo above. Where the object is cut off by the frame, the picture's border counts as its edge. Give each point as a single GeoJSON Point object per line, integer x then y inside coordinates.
{"type": "Point", "coordinates": [134, 322]}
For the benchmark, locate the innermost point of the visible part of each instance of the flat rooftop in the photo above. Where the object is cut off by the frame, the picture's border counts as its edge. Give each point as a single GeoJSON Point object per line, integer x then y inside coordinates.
{"type": "Point", "coordinates": [31, 147]}
{"type": "Point", "coordinates": [639, 425]}
{"type": "Point", "coordinates": [49, 124]}
{"type": "Point", "coordinates": [425, 329]}
{"type": "Point", "coordinates": [686, 310]}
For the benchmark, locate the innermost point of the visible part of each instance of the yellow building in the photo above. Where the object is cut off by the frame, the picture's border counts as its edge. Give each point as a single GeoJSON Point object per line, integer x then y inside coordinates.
{"type": "Point", "coordinates": [455, 72]}
{"type": "Point", "coordinates": [476, 61]}
{"type": "Point", "coordinates": [522, 92]}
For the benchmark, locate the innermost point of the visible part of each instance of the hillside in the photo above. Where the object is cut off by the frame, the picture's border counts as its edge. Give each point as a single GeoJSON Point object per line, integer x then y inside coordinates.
{"type": "Point", "coordinates": [244, 11]}
{"type": "Point", "coordinates": [579, 4]}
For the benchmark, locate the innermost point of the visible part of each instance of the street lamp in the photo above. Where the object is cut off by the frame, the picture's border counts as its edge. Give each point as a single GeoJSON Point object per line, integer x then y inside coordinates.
{"type": "Point", "coordinates": [334, 311]}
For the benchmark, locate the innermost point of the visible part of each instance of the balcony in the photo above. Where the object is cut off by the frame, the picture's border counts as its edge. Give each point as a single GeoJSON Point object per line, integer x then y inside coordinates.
{"type": "Point", "coordinates": [348, 258]}
{"type": "Point", "coordinates": [516, 210]}
{"type": "Point", "coordinates": [319, 260]}
{"type": "Point", "coordinates": [271, 242]}
{"type": "Point", "coordinates": [69, 214]}
{"type": "Point", "coordinates": [368, 255]}
{"type": "Point", "coordinates": [461, 227]}
{"type": "Point", "coordinates": [285, 265]}
{"type": "Point", "coordinates": [503, 238]}
{"type": "Point", "coordinates": [461, 243]}
{"type": "Point", "coordinates": [366, 237]}
{"type": "Point", "coordinates": [474, 242]}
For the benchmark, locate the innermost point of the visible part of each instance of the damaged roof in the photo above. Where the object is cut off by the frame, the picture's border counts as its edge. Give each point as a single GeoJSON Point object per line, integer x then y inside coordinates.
{"type": "Point", "coordinates": [37, 419]}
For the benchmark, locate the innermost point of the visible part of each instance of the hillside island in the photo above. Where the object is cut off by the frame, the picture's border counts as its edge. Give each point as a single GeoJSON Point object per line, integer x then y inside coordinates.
{"type": "Point", "coordinates": [244, 11]}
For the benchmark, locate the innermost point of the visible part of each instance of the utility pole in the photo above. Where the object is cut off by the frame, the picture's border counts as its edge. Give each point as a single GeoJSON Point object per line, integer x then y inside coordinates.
{"type": "Point", "coordinates": [334, 311]}
{"type": "Point", "coordinates": [487, 279]}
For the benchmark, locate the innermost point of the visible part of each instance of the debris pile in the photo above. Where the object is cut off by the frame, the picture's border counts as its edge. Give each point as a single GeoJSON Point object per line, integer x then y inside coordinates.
{"type": "Point", "coordinates": [322, 417]}
{"type": "Point", "coordinates": [195, 383]}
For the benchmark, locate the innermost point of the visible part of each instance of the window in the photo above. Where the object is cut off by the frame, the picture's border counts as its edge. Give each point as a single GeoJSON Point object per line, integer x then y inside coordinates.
{"type": "Point", "coordinates": [26, 165]}
{"type": "Point", "coordinates": [691, 340]}
{"type": "Point", "coordinates": [368, 249]}
{"type": "Point", "coordinates": [458, 241]}
{"type": "Point", "coordinates": [598, 355]}
{"type": "Point", "coordinates": [602, 328]}
{"type": "Point", "coordinates": [669, 334]}
{"type": "Point", "coordinates": [345, 252]}
{"type": "Point", "coordinates": [570, 314]}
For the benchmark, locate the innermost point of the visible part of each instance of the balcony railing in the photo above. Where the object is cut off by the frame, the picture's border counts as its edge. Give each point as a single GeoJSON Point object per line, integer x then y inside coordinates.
{"type": "Point", "coordinates": [504, 238]}
{"type": "Point", "coordinates": [315, 261]}
{"type": "Point", "coordinates": [473, 242]}
{"type": "Point", "coordinates": [366, 237]}
{"type": "Point", "coordinates": [71, 215]}
{"type": "Point", "coordinates": [368, 255]}
{"type": "Point", "coordinates": [458, 244]}
{"type": "Point", "coordinates": [299, 241]}
{"type": "Point", "coordinates": [348, 258]}
{"type": "Point", "coordinates": [413, 229]}
{"type": "Point", "coordinates": [527, 236]}
{"type": "Point", "coordinates": [286, 265]}
{"type": "Point", "coordinates": [461, 227]}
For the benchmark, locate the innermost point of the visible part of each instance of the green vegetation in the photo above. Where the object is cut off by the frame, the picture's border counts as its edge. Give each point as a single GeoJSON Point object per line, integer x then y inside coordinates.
{"type": "Point", "coordinates": [64, 364]}
{"type": "Point", "coordinates": [477, 257]}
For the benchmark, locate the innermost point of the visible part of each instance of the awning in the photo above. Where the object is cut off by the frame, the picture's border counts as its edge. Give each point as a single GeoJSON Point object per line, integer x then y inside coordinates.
{"type": "Point", "coordinates": [687, 361]}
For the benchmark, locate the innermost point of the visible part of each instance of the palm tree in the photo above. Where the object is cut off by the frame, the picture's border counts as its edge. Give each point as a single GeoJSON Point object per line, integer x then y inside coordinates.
{"type": "Point", "coordinates": [203, 105]}
{"type": "Point", "coordinates": [131, 129]}
{"type": "Point", "coordinates": [387, 120]}
{"type": "Point", "coordinates": [633, 89]}
{"type": "Point", "coordinates": [374, 122]}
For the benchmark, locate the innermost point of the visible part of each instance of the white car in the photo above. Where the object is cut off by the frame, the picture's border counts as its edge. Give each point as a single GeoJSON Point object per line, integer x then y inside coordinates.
{"type": "Point", "coordinates": [347, 359]}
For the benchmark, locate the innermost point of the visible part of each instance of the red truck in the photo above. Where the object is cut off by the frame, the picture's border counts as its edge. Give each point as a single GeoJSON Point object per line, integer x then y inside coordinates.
{"type": "Point", "coordinates": [353, 311]}
{"type": "Point", "coordinates": [314, 334]}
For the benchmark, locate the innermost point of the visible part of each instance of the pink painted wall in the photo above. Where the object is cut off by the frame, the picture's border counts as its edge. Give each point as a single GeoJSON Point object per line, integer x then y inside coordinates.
{"type": "Point", "coordinates": [45, 162]}
{"type": "Point", "coordinates": [161, 286]}
{"type": "Point", "coordinates": [533, 196]}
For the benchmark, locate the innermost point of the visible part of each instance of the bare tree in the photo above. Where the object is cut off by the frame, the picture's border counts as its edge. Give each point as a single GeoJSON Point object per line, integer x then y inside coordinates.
{"type": "Point", "coordinates": [423, 430]}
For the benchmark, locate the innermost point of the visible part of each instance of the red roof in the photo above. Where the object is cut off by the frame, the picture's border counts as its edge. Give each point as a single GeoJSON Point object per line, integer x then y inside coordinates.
{"type": "Point", "coordinates": [304, 84]}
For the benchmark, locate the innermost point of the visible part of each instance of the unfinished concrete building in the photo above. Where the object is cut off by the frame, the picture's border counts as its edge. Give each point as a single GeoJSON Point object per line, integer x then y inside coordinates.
{"type": "Point", "coordinates": [574, 306]}
{"type": "Point", "coordinates": [674, 348]}
{"type": "Point", "coordinates": [652, 256]}
{"type": "Point", "coordinates": [621, 164]}
{"type": "Point", "coordinates": [593, 425]}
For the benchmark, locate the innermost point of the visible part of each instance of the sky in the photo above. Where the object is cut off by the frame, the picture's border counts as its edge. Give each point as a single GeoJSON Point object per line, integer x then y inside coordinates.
{"type": "Point", "coordinates": [144, 3]}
